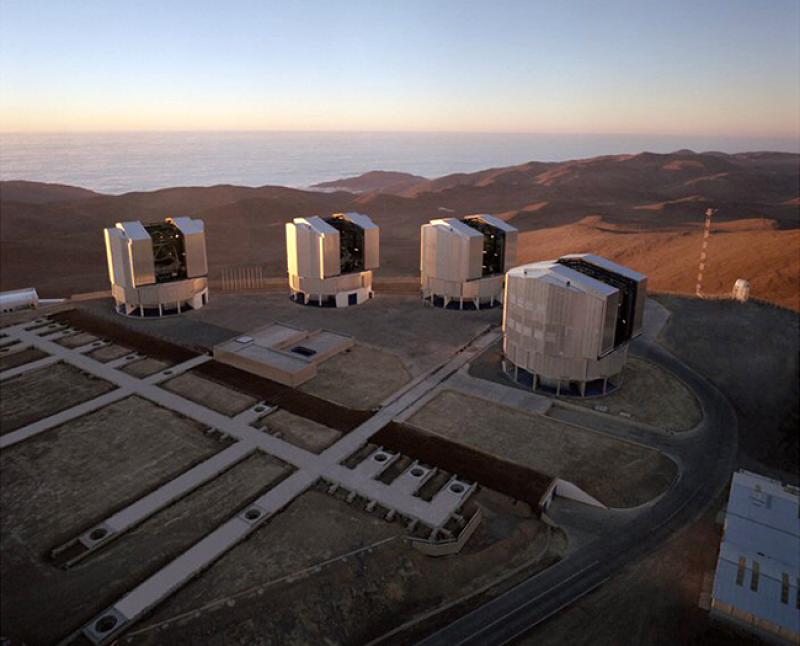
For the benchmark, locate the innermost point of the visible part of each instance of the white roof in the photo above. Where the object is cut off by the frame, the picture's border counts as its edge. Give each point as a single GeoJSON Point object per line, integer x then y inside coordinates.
{"type": "Point", "coordinates": [762, 516]}
{"type": "Point", "coordinates": [761, 526]}
{"type": "Point", "coordinates": [26, 295]}
{"type": "Point", "coordinates": [605, 263]}
{"type": "Point", "coordinates": [187, 226]}
{"type": "Point", "coordinates": [134, 230]}
{"type": "Point", "coordinates": [457, 227]}
{"type": "Point", "coordinates": [494, 221]}
{"type": "Point", "coordinates": [317, 224]}
{"type": "Point", "coordinates": [552, 272]}
{"type": "Point", "coordinates": [364, 221]}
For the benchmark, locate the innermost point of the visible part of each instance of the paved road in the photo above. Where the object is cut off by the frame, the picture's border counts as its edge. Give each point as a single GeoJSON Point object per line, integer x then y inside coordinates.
{"type": "Point", "coordinates": [708, 458]}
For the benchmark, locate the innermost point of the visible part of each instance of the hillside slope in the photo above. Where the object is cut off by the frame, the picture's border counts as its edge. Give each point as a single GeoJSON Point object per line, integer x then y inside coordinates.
{"type": "Point", "coordinates": [644, 210]}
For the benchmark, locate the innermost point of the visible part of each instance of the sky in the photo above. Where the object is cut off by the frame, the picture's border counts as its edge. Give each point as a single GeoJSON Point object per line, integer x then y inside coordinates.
{"type": "Point", "coordinates": [708, 67]}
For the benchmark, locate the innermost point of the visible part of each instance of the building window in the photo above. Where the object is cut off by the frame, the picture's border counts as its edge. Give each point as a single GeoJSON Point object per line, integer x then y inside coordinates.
{"type": "Point", "coordinates": [754, 580]}
{"type": "Point", "coordinates": [785, 589]}
{"type": "Point", "coordinates": [740, 571]}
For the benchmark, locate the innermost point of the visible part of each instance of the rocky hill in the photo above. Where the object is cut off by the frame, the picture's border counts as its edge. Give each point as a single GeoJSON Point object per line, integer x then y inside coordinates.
{"type": "Point", "coordinates": [645, 210]}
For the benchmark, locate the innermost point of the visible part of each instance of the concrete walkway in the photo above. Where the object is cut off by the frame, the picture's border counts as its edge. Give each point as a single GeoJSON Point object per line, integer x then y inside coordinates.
{"type": "Point", "coordinates": [309, 468]}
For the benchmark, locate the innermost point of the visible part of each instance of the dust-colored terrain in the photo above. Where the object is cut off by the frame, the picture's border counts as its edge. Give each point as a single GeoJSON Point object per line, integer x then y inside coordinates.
{"type": "Point", "coordinates": [652, 395]}
{"type": "Point", "coordinates": [84, 471]}
{"type": "Point", "coordinates": [652, 601]}
{"type": "Point", "coordinates": [333, 595]}
{"type": "Point", "coordinates": [619, 474]}
{"type": "Point", "coordinates": [212, 395]}
{"type": "Point", "coordinates": [40, 393]}
{"type": "Point", "coordinates": [360, 377]}
{"type": "Point", "coordinates": [644, 210]}
{"type": "Point", "coordinates": [649, 393]}
{"type": "Point", "coordinates": [19, 358]}
{"type": "Point", "coordinates": [109, 352]}
{"type": "Point", "coordinates": [145, 367]}
{"type": "Point", "coordinates": [302, 432]}
{"type": "Point", "coordinates": [751, 352]}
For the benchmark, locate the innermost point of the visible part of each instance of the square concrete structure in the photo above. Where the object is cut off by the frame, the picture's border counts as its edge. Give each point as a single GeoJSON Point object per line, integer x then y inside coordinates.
{"type": "Point", "coordinates": [159, 268]}
{"type": "Point", "coordinates": [19, 299]}
{"type": "Point", "coordinates": [281, 352]}
{"type": "Point", "coordinates": [331, 260]}
{"type": "Point", "coordinates": [758, 568]}
{"type": "Point", "coordinates": [567, 323]}
{"type": "Point", "coordinates": [464, 261]}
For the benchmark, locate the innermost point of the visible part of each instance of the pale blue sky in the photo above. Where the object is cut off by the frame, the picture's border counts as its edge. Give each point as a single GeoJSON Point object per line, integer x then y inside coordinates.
{"type": "Point", "coordinates": [694, 67]}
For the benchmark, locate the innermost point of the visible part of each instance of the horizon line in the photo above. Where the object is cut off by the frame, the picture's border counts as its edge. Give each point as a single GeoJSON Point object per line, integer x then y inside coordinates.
{"type": "Point", "coordinates": [787, 136]}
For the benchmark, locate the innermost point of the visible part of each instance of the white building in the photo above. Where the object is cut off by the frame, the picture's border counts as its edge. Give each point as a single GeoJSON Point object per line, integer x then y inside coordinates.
{"type": "Point", "coordinates": [19, 299]}
{"type": "Point", "coordinates": [567, 323]}
{"type": "Point", "coordinates": [464, 261]}
{"type": "Point", "coordinates": [741, 290]}
{"type": "Point", "coordinates": [758, 568]}
{"type": "Point", "coordinates": [157, 269]}
{"type": "Point", "coordinates": [331, 260]}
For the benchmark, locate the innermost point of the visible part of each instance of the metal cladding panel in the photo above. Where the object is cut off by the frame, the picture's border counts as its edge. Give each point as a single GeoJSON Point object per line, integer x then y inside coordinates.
{"type": "Point", "coordinates": [638, 316]}
{"type": "Point", "coordinates": [371, 247]}
{"type": "Point", "coordinates": [305, 247]}
{"type": "Point", "coordinates": [427, 248]}
{"type": "Point", "coordinates": [494, 221]}
{"type": "Point", "coordinates": [116, 255]}
{"type": "Point", "coordinates": [371, 237]}
{"type": "Point", "coordinates": [457, 251]}
{"type": "Point", "coordinates": [140, 253]}
{"type": "Point", "coordinates": [364, 221]}
{"type": "Point", "coordinates": [475, 257]}
{"type": "Point", "coordinates": [194, 240]}
{"type": "Point", "coordinates": [330, 260]}
{"type": "Point", "coordinates": [553, 326]}
{"type": "Point", "coordinates": [511, 249]}
{"type": "Point", "coordinates": [605, 263]}
{"type": "Point", "coordinates": [609, 322]}
{"type": "Point", "coordinates": [292, 260]}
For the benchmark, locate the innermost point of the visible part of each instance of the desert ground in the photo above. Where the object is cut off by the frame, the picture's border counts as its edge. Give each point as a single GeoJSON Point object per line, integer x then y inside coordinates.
{"type": "Point", "coordinates": [329, 564]}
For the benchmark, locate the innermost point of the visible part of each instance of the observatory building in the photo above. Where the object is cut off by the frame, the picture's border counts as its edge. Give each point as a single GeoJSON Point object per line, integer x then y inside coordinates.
{"type": "Point", "coordinates": [330, 260]}
{"type": "Point", "coordinates": [157, 269]}
{"type": "Point", "coordinates": [567, 323]}
{"type": "Point", "coordinates": [464, 261]}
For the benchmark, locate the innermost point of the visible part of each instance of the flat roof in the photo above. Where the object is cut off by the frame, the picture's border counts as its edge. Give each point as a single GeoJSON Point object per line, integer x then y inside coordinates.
{"type": "Point", "coordinates": [759, 558]}
{"type": "Point", "coordinates": [550, 271]}
{"type": "Point", "coordinates": [493, 220]}
{"type": "Point", "coordinates": [272, 345]}
{"type": "Point", "coordinates": [317, 224]}
{"type": "Point", "coordinates": [605, 263]}
{"type": "Point", "coordinates": [457, 226]}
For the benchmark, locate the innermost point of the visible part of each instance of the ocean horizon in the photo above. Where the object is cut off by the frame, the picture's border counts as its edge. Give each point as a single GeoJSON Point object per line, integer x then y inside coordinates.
{"type": "Point", "coordinates": [121, 162]}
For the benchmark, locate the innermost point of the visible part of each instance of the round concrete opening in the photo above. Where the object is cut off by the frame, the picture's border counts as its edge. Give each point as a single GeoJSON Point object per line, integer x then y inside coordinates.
{"type": "Point", "coordinates": [97, 343]}
{"type": "Point", "coordinates": [97, 534]}
{"type": "Point", "coordinates": [417, 472]}
{"type": "Point", "coordinates": [456, 488]}
{"type": "Point", "coordinates": [252, 514]}
{"type": "Point", "coordinates": [260, 409]}
{"type": "Point", "coordinates": [168, 372]}
{"type": "Point", "coordinates": [381, 457]}
{"type": "Point", "coordinates": [104, 624]}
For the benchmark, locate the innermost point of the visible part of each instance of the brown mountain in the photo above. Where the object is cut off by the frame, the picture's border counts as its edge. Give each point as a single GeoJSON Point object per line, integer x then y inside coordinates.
{"type": "Point", "coordinates": [381, 181]}
{"type": "Point", "coordinates": [39, 193]}
{"type": "Point", "coordinates": [645, 210]}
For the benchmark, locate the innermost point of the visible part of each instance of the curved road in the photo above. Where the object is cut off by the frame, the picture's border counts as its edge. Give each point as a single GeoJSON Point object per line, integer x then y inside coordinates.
{"type": "Point", "coordinates": [707, 459]}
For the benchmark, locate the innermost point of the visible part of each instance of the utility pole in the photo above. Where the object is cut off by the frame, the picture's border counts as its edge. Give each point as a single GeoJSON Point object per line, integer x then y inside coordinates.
{"type": "Point", "coordinates": [702, 265]}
